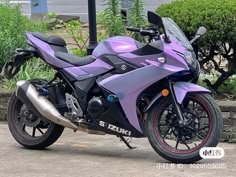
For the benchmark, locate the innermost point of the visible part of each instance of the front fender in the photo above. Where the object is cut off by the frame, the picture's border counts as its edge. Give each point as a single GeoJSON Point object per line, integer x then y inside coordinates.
{"type": "Point", "coordinates": [180, 89]}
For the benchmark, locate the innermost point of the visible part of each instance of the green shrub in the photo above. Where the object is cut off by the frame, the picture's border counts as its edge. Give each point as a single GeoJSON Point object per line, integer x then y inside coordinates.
{"type": "Point", "coordinates": [12, 30]}
{"type": "Point", "coordinates": [137, 18]}
{"type": "Point", "coordinates": [229, 86]}
{"type": "Point", "coordinates": [34, 68]}
{"type": "Point", "coordinates": [110, 22]}
{"type": "Point", "coordinates": [110, 19]}
{"type": "Point", "coordinates": [219, 44]}
{"type": "Point", "coordinates": [13, 26]}
{"type": "Point", "coordinates": [80, 37]}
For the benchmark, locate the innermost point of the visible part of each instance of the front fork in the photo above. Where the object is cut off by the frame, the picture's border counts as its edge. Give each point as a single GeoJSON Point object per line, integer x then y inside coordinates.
{"type": "Point", "coordinates": [178, 92]}
{"type": "Point", "coordinates": [175, 104]}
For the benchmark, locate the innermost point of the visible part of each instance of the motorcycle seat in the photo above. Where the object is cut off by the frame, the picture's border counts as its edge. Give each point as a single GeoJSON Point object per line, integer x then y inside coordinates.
{"type": "Point", "coordinates": [74, 60]}
{"type": "Point", "coordinates": [54, 40]}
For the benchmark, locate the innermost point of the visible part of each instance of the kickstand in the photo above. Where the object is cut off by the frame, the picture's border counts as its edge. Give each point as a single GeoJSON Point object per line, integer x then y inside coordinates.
{"type": "Point", "coordinates": [126, 142]}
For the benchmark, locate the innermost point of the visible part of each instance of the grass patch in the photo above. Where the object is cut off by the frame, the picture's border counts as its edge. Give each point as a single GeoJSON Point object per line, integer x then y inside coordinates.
{"type": "Point", "coordinates": [12, 29]}
{"type": "Point", "coordinates": [34, 68]}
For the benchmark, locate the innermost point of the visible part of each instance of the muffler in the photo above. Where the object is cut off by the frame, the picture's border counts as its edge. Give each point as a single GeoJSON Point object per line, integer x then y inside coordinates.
{"type": "Point", "coordinates": [40, 105]}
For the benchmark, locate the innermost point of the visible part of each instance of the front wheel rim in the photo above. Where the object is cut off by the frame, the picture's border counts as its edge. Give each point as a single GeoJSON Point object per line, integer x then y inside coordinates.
{"type": "Point", "coordinates": [180, 143]}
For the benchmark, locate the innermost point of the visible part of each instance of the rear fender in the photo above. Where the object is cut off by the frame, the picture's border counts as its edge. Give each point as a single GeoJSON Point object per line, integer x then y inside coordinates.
{"type": "Point", "coordinates": [20, 56]}
{"type": "Point", "coordinates": [180, 89]}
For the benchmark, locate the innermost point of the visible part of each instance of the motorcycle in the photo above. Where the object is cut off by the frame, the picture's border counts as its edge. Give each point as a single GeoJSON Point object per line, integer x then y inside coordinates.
{"type": "Point", "coordinates": [124, 88]}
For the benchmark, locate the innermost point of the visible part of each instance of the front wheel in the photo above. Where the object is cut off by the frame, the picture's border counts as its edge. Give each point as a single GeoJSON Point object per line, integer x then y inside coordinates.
{"type": "Point", "coordinates": [182, 143]}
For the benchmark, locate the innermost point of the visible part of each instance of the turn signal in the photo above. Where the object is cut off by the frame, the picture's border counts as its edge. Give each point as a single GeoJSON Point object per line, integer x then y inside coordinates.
{"type": "Point", "coordinates": [165, 92]}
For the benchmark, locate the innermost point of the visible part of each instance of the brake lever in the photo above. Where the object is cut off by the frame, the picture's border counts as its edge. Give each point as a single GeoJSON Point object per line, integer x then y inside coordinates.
{"type": "Point", "coordinates": [152, 27]}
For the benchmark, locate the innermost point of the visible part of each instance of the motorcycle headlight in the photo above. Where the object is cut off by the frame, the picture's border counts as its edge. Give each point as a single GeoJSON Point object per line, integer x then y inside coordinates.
{"type": "Point", "coordinates": [191, 59]}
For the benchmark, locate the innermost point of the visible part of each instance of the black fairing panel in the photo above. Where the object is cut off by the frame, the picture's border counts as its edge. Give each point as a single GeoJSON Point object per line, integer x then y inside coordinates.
{"type": "Point", "coordinates": [120, 65]}
{"type": "Point", "coordinates": [147, 50]}
{"type": "Point", "coordinates": [115, 116]}
{"type": "Point", "coordinates": [82, 89]}
{"type": "Point", "coordinates": [67, 76]}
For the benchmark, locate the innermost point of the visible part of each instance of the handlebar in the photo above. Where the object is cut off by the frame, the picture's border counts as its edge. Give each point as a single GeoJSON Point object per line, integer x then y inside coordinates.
{"type": "Point", "coordinates": [143, 31]}
{"type": "Point", "coordinates": [132, 29]}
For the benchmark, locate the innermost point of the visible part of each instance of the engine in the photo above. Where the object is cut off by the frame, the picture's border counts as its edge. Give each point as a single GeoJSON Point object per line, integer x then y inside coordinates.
{"type": "Point", "coordinates": [96, 107]}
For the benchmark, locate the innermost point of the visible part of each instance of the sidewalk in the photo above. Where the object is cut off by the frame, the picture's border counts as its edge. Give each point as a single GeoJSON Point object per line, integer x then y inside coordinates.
{"type": "Point", "coordinates": [79, 154]}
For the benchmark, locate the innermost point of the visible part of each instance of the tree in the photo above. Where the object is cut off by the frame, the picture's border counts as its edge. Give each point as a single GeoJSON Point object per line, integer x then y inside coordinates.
{"type": "Point", "coordinates": [217, 49]}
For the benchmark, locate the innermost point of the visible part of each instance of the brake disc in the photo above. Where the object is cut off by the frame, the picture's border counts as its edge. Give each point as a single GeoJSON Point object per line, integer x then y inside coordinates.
{"type": "Point", "coordinates": [28, 117]}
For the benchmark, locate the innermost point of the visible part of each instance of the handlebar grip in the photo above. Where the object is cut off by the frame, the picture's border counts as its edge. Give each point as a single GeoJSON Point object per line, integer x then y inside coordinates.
{"type": "Point", "coordinates": [133, 29]}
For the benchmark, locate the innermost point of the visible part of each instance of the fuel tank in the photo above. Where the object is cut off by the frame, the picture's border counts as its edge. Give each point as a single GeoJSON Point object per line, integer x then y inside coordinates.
{"type": "Point", "coordinates": [116, 45]}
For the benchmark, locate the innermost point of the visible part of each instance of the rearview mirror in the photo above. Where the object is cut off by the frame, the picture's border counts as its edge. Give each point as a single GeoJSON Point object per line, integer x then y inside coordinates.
{"type": "Point", "coordinates": [154, 19]}
{"type": "Point", "coordinates": [200, 32]}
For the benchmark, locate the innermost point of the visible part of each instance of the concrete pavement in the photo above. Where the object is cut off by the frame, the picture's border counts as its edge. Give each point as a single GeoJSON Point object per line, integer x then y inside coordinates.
{"type": "Point", "coordinates": [79, 154]}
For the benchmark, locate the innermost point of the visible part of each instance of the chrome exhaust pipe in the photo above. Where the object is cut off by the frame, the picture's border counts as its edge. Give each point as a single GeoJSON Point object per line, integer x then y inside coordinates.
{"type": "Point", "coordinates": [40, 105]}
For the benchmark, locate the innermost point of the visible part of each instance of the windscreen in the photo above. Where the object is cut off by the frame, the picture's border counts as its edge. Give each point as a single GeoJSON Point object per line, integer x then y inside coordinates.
{"type": "Point", "coordinates": [175, 33]}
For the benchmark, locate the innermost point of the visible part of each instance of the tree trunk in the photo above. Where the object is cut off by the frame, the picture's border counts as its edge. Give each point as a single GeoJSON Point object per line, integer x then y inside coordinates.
{"type": "Point", "coordinates": [221, 80]}
{"type": "Point", "coordinates": [231, 71]}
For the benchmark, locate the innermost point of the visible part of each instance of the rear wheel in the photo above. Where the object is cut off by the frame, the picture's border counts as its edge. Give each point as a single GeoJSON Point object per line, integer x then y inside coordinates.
{"type": "Point", "coordinates": [182, 143]}
{"type": "Point", "coordinates": [29, 130]}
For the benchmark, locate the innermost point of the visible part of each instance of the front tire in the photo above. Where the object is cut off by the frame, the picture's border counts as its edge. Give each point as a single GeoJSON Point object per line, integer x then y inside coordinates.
{"type": "Point", "coordinates": [29, 130]}
{"type": "Point", "coordinates": [180, 144]}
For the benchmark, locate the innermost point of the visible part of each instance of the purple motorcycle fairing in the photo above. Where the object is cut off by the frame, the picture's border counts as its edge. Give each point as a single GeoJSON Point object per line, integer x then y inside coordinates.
{"type": "Point", "coordinates": [79, 72]}
{"type": "Point", "coordinates": [93, 69]}
{"type": "Point", "coordinates": [123, 46]}
{"type": "Point", "coordinates": [115, 45]}
{"type": "Point", "coordinates": [130, 85]}
{"type": "Point", "coordinates": [182, 88]}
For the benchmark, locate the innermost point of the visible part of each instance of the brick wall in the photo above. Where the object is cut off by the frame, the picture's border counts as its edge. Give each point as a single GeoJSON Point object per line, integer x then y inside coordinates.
{"type": "Point", "coordinates": [228, 109]}
{"type": "Point", "coordinates": [4, 99]}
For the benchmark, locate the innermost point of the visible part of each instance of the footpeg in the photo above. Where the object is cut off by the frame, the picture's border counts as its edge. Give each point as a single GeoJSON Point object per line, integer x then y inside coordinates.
{"type": "Point", "coordinates": [72, 103]}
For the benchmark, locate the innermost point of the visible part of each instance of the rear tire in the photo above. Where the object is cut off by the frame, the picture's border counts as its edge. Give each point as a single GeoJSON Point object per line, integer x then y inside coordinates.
{"type": "Point", "coordinates": [161, 146]}
{"type": "Point", "coordinates": [49, 131]}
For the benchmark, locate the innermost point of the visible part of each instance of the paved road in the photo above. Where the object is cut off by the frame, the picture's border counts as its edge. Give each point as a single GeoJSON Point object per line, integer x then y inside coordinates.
{"type": "Point", "coordinates": [85, 155]}
{"type": "Point", "coordinates": [79, 7]}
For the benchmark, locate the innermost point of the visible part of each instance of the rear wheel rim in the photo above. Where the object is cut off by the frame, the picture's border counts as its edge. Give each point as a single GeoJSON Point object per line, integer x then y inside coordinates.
{"type": "Point", "coordinates": [177, 139]}
{"type": "Point", "coordinates": [29, 127]}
